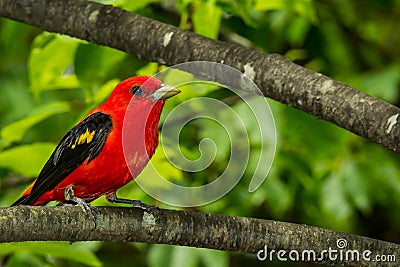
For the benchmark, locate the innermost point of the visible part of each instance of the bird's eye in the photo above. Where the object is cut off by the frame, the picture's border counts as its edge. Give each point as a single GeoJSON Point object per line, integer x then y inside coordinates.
{"type": "Point", "coordinates": [137, 90]}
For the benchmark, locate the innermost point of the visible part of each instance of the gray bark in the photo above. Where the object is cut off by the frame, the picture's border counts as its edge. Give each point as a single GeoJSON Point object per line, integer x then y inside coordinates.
{"type": "Point", "coordinates": [277, 77]}
{"type": "Point", "coordinates": [195, 229]}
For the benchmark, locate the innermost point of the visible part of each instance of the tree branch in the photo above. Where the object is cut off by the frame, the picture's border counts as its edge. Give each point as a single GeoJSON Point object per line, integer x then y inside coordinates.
{"type": "Point", "coordinates": [195, 229]}
{"type": "Point", "coordinates": [278, 78]}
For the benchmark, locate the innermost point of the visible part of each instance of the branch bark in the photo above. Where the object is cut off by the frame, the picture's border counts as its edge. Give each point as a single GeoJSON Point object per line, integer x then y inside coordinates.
{"type": "Point", "coordinates": [277, 77]}
{"type": "Point", "coordinates": [27, 223]}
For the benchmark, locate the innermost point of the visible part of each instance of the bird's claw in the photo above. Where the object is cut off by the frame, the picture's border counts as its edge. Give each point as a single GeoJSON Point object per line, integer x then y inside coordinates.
{"type": "Point", "coordinates": [148, 208]}
{"type": "Point", "coordinates": [112, 197]}
{"type": "Point", "coordinates": [86, 207]}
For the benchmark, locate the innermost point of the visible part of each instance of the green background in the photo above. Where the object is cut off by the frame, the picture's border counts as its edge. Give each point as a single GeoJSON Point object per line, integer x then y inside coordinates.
{"type": "Point", "coordinates": [322, 175]}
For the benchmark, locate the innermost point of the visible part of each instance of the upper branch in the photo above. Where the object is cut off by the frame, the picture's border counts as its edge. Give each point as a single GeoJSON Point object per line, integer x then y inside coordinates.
{"type": "Point", "coordinates": [25, 223]}
{"type": "Point", "coordinates": [277, 77]}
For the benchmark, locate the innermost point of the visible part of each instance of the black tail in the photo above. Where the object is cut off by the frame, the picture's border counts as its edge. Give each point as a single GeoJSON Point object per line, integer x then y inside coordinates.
{"type": "Point", "coordinates": [24, 200]}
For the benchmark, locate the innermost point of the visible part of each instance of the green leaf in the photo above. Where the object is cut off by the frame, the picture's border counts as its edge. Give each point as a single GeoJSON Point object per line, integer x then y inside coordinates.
{"type": "Point", "coordinates": [297, 31]}
{"type": "Point", "coordinates": [187, 255]}
{"type": "Point", "coordinates": [13, 39]}
{"type": "Point", "coordinates": [26, 160]}
{"type": "Point", "coordinates": [51, 63]}
{"type": "Point", "coordinates": [356, 176]}
{"type": "Point", "coordinates": [210, 129]}
{"type": "Point", "coordinates": [171, 256]}
{"type": "Point", "coordinates": [206, 18]}
{"type": "Point", "coordinates": [213, 258]}
{"type": "Point", "coordinates": [73, 252]}
{"type": "Point", "coordinates": [109, 2]}
{"type": "Point", "coordinates": [242, 8]}
{"type": "Point", "coordinates": [159, 256]}
{"type": "Point", "coordinates": [304, 8]}
{"type": "Point", "coordinates": [149, 69]}
{"type": "Point", "coordinates": [96, 64]}
{"type": "Point", "coordinates": [160, 164]}
{"type": "Point", "coordinates": [23, 259]}
{"type": "Point", "coordinates": [338, 49]}
{"type": "Point", "coordinates": [135, 5]}
{"type": "Point", "coordinates": [278, 197]}
{"type": "Point", "coordinates": [267, 5]}
{"type": "Point", "coordinates": [128, 4]}
{"type": "Point", "coordinates": [383, 83]}
{"type": "Point", "coordinates": [104, 91]}
{"type": "Point", "coordinates": [15, 131]}
{"type": "Point", "coordinates": [334, 199]}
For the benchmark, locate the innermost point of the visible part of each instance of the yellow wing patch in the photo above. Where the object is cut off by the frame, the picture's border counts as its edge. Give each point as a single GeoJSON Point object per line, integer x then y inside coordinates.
{"type": "Point", "coordinates": [86, 137]}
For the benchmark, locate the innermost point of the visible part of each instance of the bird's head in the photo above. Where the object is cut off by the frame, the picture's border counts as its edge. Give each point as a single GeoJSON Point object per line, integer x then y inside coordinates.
{"type": "Point", "coordinates": [135, 106]}
{"type": "Point", "coordinates": [141, 91]}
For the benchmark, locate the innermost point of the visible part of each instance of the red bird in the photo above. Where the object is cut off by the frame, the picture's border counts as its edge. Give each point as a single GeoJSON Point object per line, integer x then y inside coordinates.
{"type": "Point", "coordinates": [90, 160]}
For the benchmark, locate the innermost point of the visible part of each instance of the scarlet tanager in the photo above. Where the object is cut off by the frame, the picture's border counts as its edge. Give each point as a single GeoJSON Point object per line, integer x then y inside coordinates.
{"type": "Point", "coordinates": [89, 161]}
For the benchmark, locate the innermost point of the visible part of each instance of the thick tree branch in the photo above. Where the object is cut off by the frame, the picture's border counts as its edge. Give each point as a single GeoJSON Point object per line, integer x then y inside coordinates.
{"type": "Point", "coordinates": [26, 223]}
{"type": "Point", "coordinates": [277, 77]}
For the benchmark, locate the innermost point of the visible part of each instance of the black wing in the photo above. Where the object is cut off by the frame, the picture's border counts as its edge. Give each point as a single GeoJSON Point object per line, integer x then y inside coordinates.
{"type": "Point", "coordinates": [83, 142]}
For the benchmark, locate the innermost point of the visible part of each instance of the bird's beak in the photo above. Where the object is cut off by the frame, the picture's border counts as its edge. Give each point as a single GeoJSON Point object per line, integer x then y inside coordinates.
{"type": "Point", "coordinates": [164, 92]}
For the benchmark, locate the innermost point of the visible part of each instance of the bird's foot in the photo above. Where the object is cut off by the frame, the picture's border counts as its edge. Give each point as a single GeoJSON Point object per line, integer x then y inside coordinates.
{"type": "Point", "coordinates": [86, 207]}
{"type": "Point", "coordinates": [112, 197]}
{"type": "Point", "coordinates": [144, 206]}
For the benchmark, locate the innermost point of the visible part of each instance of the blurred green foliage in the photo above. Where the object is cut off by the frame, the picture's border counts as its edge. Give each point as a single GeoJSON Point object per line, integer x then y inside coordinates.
{"type": "Point", "coordinates": [322, 175]}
